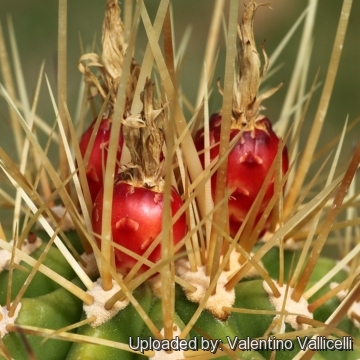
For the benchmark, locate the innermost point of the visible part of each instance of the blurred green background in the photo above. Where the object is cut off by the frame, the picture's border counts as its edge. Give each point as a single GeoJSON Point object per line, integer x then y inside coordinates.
{"type": "Point", "coordinates": [35, 24]}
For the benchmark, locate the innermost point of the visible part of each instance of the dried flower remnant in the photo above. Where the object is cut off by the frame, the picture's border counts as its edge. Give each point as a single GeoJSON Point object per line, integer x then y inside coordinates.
{"type": "Point", "coordinates": [138, 191]}
{"type": "Point", "coordinates": [110, 65]}
{"type": "Point", "coordinates": [254, 152]}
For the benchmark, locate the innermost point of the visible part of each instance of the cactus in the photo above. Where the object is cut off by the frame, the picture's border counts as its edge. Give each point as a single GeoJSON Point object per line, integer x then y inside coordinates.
{"type": "Point", "coordinates": [269, 288]}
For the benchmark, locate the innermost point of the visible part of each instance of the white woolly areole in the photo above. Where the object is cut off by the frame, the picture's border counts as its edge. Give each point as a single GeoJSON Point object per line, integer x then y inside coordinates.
{"type": "Point", "coordinates": [345, 267]}
{"type": "Point", "coordinates": [289, 244]}
{"type": "Point", "coordinates": [341, 294]}
{"type": "Point", "coordinates": [155, 282]}
{"type": "Point", "coordinates": [98, 307]}
{"type": "Point", "coordinates": [291, 306]}
{"type": "Point", "coordinates": [174, 355]}
{"type": "Point", "coordinates": [66, 225]}
{"type": "Point", "coordinates": [235, 266]}
{"type": "Point", "coordinates": [27, 247]}
{"type": "Point", "coordinates": [216, 302]}
{"type": "Point", "coordinates": [6, 320]}
{"type": "Point", "coordinates": [91, 268]}
{"type": "Point", "coordinates": [354, 309]}
{"type": "Point", "coordinates": [155, 285]}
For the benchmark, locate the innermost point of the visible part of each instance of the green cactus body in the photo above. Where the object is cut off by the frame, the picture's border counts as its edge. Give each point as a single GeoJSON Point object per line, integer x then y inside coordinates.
{"type": "Point", "coordinates": [55, 310]}
{"type": "Point", "coordinates": [208, 327]}
{"type": "Point", "coordinates": [127, 323]}
{"type": "Point", "coordinates": [41, 284]}
{"type": "Point", "coordinates": [156, 316]}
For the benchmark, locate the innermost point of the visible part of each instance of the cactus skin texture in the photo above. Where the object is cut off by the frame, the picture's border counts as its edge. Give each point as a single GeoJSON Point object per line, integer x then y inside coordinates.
{"type": "Point", "coordinates": [127, 323]}
{"type": "Point", "coordinates": [51, 311]}
{"type": "Point", "coordinates": [40, 284]}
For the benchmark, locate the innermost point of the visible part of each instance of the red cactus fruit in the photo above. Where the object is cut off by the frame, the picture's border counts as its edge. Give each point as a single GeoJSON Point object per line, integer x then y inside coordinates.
{"type": "Point", "coordinates": [251, 158]}
{"type": "Point", "coordinates": [98, 156]}
{"type": "Point", "coordinates": [137, 220]}
{"type": "Point", "coordinates": [138, 199]}
{"type": "Point", "coordinates": [248, 164]}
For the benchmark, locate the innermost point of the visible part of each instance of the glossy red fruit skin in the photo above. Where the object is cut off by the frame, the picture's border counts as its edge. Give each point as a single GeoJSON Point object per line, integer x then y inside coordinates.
{"type": "Point", "coordinates": [248, 164]}
{"type": "Point", "coordinates": [136, 221]}
{"type": "Point", "coordinates": [98, 155]}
